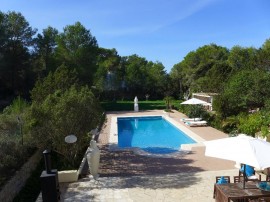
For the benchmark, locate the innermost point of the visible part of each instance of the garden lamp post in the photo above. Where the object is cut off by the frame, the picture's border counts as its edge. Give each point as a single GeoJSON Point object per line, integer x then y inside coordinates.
{"type": "Point", "coordinates": [71, 139]}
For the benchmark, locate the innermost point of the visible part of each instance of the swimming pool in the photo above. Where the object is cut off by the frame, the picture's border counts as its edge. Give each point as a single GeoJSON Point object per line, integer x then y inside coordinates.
{"type": "Point", "coordinates": [153, 134]}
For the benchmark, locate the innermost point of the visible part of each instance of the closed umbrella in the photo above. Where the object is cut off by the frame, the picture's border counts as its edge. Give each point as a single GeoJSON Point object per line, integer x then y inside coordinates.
{"type": "Point", "coordinates": [242, 149]}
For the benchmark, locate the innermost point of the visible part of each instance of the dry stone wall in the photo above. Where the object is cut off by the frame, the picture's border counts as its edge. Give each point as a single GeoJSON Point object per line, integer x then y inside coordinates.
{"type": "Point", "coordinates": [15, 184]}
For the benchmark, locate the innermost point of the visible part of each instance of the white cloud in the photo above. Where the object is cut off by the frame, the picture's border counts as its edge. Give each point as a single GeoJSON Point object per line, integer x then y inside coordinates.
{"type": "Point", "coordinates": [144, 19]}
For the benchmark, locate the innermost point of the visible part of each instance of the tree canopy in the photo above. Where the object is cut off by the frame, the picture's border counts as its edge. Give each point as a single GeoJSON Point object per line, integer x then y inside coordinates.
{"type": "Point", "coordinates": [27, 58]}
{"type": "Point", "coordinates": [59, 108]}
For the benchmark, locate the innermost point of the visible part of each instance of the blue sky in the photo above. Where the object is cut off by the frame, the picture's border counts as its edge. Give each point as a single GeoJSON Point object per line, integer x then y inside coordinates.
{"type": "Point", "coordinates": [159, 30]}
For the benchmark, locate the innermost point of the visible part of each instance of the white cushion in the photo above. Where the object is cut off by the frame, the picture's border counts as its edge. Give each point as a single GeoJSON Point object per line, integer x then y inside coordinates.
{"type": "Point", "coordinates": [253, 177]}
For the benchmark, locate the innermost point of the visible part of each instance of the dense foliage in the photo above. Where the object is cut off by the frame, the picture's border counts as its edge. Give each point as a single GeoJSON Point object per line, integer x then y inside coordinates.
{"type": "Point", "coordinates": [246, 89]}
{"type": "Point", "coordinates": [13, 150]}
{"type": "Point", "coordinates": [239, 76]}
{"type": "Point", "coordinates": [60, 108]}
{"type": "Point", "coordinates": [205, 70]}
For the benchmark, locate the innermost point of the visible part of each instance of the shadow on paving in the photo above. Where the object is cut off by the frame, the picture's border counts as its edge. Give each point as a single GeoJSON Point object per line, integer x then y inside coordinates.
{"type": "Point", "coordinates": [154, 182]}
{"type": "Point", "coordinates": [124, 169]}
{"type": "Point", "coordinates": [85, 185]}
{"type": "Point", "coordinates": [126, 163]}
{"type": "Point", "coordinates": [121, 170]}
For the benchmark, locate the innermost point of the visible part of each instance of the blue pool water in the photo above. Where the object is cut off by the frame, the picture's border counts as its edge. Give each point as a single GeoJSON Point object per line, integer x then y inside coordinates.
{"type": "Point", "coordinates": [153, 134]}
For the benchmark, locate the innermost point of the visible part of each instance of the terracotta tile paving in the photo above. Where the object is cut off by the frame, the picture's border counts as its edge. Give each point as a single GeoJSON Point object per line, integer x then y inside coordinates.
{"type": "Point", "coordinates": [127, 163]}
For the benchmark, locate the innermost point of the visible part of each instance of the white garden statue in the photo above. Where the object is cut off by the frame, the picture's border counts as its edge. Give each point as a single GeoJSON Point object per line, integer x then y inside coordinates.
{"type": "Point", "coordinates": [93, 158]}
{"type": "Point", "coordinates": [136, 104]}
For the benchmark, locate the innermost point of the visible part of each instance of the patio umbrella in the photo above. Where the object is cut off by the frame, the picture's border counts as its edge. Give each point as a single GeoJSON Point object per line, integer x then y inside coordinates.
{"type": "Point", "coordinates": [242, 149]}
{"type": "Point", "coordinates": [193, 101]}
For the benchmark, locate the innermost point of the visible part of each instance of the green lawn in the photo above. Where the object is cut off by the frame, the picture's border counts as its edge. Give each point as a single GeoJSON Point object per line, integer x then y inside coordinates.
{"type": "Point", "coordinates": [143, 105]}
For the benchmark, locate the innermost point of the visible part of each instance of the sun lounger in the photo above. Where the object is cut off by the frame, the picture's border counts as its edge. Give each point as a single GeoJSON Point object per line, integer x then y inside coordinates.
{"type": "Point", "coordinates": [196, 123]}
{"type": "Point", "coordinates": [190, 119]}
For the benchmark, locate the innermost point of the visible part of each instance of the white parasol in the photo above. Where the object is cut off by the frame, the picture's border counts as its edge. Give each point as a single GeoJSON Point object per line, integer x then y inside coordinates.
{"type": "Point", "coordinates": [242, 149]}
{"type": "Point", "coordinates": [194, 101]}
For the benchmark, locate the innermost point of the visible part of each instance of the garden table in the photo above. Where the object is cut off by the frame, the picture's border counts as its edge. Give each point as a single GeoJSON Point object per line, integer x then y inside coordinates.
{"type": "Point", "coordinates": [233, 191]}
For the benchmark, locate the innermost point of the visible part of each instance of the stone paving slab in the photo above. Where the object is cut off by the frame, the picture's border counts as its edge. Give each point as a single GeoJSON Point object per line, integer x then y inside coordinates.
{"type": "Point", "coordinates": [179, 187]}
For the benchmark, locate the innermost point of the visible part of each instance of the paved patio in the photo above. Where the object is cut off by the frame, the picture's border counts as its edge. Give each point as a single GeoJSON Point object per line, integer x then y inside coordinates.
{"type": "Point", "coordinates": [180, 187]}
{"type": "Point", "coordinates": [125, 176]}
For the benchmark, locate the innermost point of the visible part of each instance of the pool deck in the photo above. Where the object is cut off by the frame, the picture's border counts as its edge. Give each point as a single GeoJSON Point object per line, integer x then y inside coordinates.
{"type": "Point", "coordinates": [126, 176]}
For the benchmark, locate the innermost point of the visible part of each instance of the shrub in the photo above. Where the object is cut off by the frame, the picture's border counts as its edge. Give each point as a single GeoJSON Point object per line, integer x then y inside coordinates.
{"type": "Point", "coordinates": [253, 123]}
{"type": "Point", "coordinates": [61, 80]}
{"type": "Point", "coordinates": [194, 111]}
{"type": "Point", "coordinates": [75, 111]}
{"type": "Point", "coordinates": [12, 153]}
{"type": "Point", "coordinates": [229, 125]}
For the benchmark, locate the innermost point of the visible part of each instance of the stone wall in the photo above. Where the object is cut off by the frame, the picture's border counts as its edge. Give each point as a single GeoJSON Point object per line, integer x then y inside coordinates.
{"type": "Point", "coordinates": [15, 184]}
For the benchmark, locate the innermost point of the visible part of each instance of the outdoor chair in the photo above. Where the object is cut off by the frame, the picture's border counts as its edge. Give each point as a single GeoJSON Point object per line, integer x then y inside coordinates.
{"type": "Point", "coordinates": [236, 179]}
{"type": "Point", "coordinates": [253, 176]}
{"type": "Point", "coordinates": [227, 178]}
{"type": "Point", "coordinates": [267, 174]}
{"type": "Point", "coordinates": [218, 178]}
